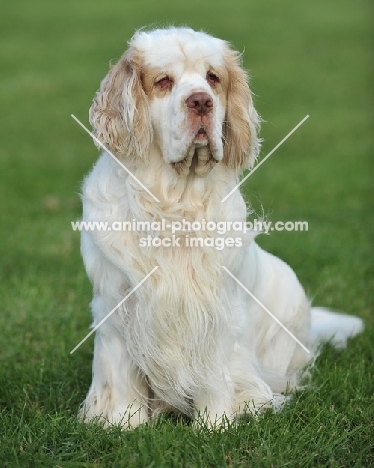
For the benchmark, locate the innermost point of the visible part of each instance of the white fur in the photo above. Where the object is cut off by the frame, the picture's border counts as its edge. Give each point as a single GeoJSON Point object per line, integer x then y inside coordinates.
{"type": "Point", "coordinates": [190, 339]}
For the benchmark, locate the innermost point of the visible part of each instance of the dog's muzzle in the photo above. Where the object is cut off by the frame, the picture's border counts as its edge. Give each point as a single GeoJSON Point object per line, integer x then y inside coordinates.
{"type": "Point", "coordinates": [199, 159]}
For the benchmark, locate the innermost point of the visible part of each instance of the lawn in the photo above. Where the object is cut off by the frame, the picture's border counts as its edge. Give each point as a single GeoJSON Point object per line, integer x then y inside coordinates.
{"type": "Point", "coordinates": [304, 58]}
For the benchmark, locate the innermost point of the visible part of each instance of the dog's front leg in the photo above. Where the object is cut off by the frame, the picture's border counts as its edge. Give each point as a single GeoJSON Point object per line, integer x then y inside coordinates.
{"type": "Point", "coordinates": [119, 392]}
{"type": "Point", "coordinates": [214, 406]}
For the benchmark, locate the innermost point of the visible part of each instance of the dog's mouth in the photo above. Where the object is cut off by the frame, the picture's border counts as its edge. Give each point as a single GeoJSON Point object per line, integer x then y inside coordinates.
{"type": "Point", "coordinates": [201, 137]}
{"type": "Point", "coordinates": [199, 159]}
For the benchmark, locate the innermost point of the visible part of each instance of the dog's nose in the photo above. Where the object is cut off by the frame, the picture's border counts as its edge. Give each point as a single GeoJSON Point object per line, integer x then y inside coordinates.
{"type": "Point", "coordinates": [201, 103]}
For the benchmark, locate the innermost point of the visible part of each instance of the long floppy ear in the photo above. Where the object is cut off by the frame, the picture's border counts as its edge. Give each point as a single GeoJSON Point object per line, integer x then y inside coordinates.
{"type": "Point", "coordinates": [241, 145]}
{"type": "Point", "coordinates": [119, 113]}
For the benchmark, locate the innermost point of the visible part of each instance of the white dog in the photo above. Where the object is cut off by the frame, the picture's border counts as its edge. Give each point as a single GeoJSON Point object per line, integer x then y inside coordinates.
{"type": "Point", "coordinates": [176, 110]}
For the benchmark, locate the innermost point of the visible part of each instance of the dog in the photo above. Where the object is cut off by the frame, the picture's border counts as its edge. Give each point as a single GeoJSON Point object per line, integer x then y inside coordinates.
{"type": "Point", "coordinates": [177, 118]}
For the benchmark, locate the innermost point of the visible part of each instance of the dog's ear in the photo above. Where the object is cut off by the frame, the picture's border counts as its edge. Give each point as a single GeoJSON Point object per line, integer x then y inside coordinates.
{"type": "Point", "coordinates": [241, 145]}
{"type": "Point", "coordinates": [119, 114]}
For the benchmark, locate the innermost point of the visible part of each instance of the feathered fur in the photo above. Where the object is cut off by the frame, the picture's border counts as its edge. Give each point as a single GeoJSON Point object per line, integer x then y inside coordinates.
{"type": "Point", "coordinates": [177, 110]}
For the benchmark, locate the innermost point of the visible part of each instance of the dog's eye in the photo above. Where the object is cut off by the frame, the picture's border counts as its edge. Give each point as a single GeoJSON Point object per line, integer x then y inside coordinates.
{"type": "Point", "coordinates": [164, 83]}
{"type": "Point", "coordinates": [212, 79]}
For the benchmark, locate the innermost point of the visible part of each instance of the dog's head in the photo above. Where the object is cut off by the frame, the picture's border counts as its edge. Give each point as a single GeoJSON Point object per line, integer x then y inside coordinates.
{"type": "Point", "coordinates": [183, 91]}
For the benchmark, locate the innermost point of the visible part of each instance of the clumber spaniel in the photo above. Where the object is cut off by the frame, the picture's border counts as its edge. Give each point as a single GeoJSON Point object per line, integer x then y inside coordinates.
{"type": "Point", "coordinates": [177, 111]}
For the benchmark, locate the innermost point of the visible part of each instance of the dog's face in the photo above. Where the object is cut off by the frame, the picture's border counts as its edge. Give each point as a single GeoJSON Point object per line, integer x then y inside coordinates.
{"type": "Point", "coordinates": [183, 91]}
{"type": "Point", "coordinates": [186, 81]}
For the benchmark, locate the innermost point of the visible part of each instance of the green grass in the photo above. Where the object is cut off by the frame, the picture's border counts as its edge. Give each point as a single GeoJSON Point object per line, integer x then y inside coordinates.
{"type": "Point", "coordinates": [305, 58]}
